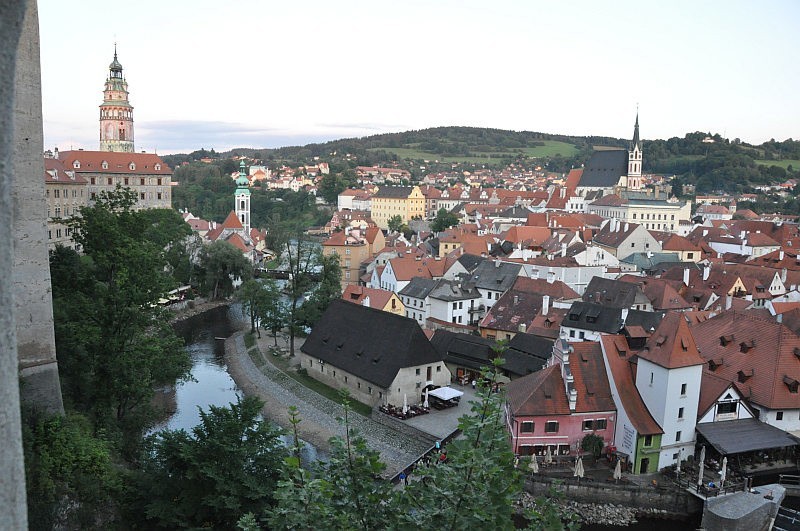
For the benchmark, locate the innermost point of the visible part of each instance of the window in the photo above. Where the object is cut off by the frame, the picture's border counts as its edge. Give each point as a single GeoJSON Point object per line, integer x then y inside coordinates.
{"type": "Point", "coordinates": [582, 335]}
{"type": "Point", "coordinates": [416, 371]}
{"type": "Point", "coordinates": [345, 379]}
{"type": "Point", "coordinates": [689, 255]}
{"type": "Point", "coordinates": [110, 181]}
{"type": "Point", "coordinates": [55, 193]}
{"type": "Point", "coordinates": [159, 196]}
{"type": "Point", "coordinates": [633, 244]}
{"type": "Point", "coordinates": [369, 390]}
{"type": "Point", "coordinates": [438, 368]}
{"type": "Point", "coordinates": [419, 385]}
{"type": "Point", "coordinates": [461, 305]}
{"type": "Point", "coordinates": [680, 412]}
{"type": "Point", "coordinates": [526, 427]}
{"type": "Point", "coordinates": [159, 184]}
{"type": "Point", "coordinates": [58, 212]}
{"type": "Point", "coordinates": [126, 181]}
{"type": "Point", "coordinates": [648, 440]}
{"type": "Point", "coordinates": [683, 389]}
{"type": "Point", "coordinates": [142, 196]}
{"type": "Point", "coordinates": [141, 182]}
{"type": "Point", "coordinates": [678, 436]}
{"type": "Point", "coordinates": [600, 424]}
{"type": "Point", "coordinates": [779, 415]}
{"type": "Point", "coordinates": [651, 378]}
{"type": "Point", "coordinates": [359, 385]}
{"type": "Point", "coordinates": [572, 333]}
{"type": "Point", "coordinates": [588, 425]}
{"type": "Point", "coordinates": [725, 408]}
{"type": "Point", "coordinates": [551, 426]}
{"type": "Point", "coordinates": [91, 180]}
{"type": "Point", "coordinates": [455, 305]}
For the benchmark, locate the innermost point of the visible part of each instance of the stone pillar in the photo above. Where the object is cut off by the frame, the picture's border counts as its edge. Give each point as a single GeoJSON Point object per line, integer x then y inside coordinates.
{"type": "Point", "coordinates": [13, 510]}
{"type": "Point", "coordinates": [31, 270]}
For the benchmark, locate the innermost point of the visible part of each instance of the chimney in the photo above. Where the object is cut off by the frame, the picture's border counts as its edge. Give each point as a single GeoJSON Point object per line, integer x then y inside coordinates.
{"type": "Point", "coordinates": [535, 274]}
{"type": "Point", "coordinates": [497, 264]}
{"type": "Point", "coordinates": [545, 304]}
{"type": "Point", "coordinates": [742, 235]}
{"type": "Point", "coordinates": [563, 249]}
{"type": "Point", "coordinates": [649, 254]}
{"type": "Point", "coordinates": [523, 328]}
{"type": "Point", "coordinates": [625, 229]}
{"type": "Point", "coordinates": [551, 276]}
{"type": "Point", "coordinates": [780, 254]}
{"type": "Point", "coordinates": [783, 275]}
{"type": "Point", "coordinates": [705, 232]}
{"type": "Point", "coordinates": [686, 276]}
{"type": "Point", "coordinates": [563, 192]}
{"type": "Point", "coordinates": [573, 399]}
{"type": "Point", "coordinates": [728, 301]}
{"type": "Point", "coordinates": [624, 315]}
{"type": "Point", "coordinates": [779, 318]}
{"type": "Point", "coordinates": [516, 300]}
{"type": "Point", "coordinates": [706, 272]}
{"type": "Point", "coordinates": [55, 153]}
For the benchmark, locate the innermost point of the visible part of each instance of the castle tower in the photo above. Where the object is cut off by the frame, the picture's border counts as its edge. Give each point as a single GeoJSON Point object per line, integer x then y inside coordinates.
{"type": "Point", "coordinates": [242, 196]}
{"type": "Point", "coordinates": [635, 159]}
{"type": "Point", "coordinates": [116, 114]}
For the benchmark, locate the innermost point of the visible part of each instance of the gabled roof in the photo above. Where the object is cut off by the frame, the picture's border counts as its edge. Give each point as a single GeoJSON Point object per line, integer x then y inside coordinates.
{"type": "Point", "coordinates": [394, 192]}
{"type": "Point", "coordinates": [555, 289]}
{"type": "Point", "coordinates": [618, 357]}
{"type": "Point", "coordinates": [593, 316]}
{"type": "Point", "coordinates": [475, 352]}
{"type": "Point", "coordinates": [418, 288]}
{"type": "Point", "coordinates": [494, 275]}
{"type": "Point", "coordinates": [232, 221]}
{"type": "Point", "coordinates": [117, 162]}
{"type": "Point", "coordinates": [672, 345]}
{"type": "Point", "coordinates": [378, 298]}
{"type": "Point", "coordinates": [540, 393]}
{"type": "Point", "coordinates": [614, 238]}
{"type": "Point", "coordinates": [370, 344]}
{"type": "Point", "coordinates": [613, 293]}
{"type": "Point", "coordinates": [513, 310]}
{"type": "Point", "coordinates": [604, 168]}
{"type": "Point", "coordinates": [761, 356]}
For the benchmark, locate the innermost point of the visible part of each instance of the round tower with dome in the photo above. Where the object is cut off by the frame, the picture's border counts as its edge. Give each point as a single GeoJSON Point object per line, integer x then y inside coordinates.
{"type": "Point", "coordinates": [116, 113]}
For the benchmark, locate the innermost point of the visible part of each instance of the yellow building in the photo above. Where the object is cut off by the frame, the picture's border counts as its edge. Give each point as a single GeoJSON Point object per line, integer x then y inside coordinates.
{"type": "Point", "coordinates": [404, 201]}
{"type": "Point", "coordinates": [353, 246]}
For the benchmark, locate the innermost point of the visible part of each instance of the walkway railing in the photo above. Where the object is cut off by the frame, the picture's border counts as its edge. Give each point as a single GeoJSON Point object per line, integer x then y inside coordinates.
{"type": "Point", "coordinates": [789, 479]}
{"type": "Point", "coordinates": [706, 491]}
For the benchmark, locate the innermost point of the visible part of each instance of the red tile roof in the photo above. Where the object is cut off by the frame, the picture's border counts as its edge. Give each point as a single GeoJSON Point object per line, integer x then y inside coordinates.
{"type": "Point", "coordinates": [92, 161]}
{"type": "Point", "coordinates": [618, 358]}
{"type": "Point", "coordinates": [672, 344]}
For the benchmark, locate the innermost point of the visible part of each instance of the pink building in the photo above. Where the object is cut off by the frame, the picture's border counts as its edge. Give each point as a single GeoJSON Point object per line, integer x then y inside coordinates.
{"type": "Point", "coordinates": [562, 403]}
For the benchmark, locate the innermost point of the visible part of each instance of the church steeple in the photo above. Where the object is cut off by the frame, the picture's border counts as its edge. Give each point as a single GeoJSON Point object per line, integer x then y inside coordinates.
{"type": "Point", "coordinates": [635, 159]}
{"type": "Point", "coordinates": [242, 198]}
{"type": "Point", "coordinates": [116, 113]}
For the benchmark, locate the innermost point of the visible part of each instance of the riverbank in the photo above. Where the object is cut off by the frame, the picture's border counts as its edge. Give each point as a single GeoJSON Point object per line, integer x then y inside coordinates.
{"type": "Point", "coordinates": [193, 307]}
{"type": "Point", "coordinates": [255, 374]}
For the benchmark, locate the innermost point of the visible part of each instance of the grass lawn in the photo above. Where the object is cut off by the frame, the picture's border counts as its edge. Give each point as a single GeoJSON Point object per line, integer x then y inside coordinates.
{"type": "Point", "coordinates": [783, 163]}
{"type": "Point", "coordinates": [329, 392]}
{"type": "Point", "coordinates": [551, 148]}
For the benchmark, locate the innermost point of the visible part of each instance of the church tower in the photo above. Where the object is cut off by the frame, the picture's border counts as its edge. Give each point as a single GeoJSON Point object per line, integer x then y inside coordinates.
{"type": "Point", "coordinates": [243, 199]}
{"type": "Point", "coordinates": [635, 159]}
{"type": "Point", "coordinates": [116, 114]}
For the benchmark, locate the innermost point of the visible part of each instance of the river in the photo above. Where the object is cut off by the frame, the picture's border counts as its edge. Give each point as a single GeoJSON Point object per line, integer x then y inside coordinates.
{"type": "Point", "coordinates": [211, 385]}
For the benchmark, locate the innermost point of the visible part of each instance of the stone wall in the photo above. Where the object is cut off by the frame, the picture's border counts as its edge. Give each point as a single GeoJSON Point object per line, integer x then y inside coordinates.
{"type": "Point", "coordinates": [402, 427]}
{"type": "Point", "coordinates": [13, 511]}
{"type": "Point", "coordinates": [30, 275]}
{"type": "Point", "coordinates": [674, 501]}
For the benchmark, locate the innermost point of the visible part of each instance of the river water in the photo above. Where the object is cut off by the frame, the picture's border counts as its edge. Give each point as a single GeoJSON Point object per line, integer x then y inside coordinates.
{"type": "Point", "coordinates": [204, 336]}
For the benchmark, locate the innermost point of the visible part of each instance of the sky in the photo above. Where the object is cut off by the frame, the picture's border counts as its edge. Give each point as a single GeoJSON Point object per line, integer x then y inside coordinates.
{"type": "Point", "coordinates": [255, 73]}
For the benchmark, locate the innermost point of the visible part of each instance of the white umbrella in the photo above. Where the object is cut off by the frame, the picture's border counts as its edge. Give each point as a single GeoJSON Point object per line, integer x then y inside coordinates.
{"type": "Point", "coordinates": [534, 466]}
{"type": "Point", "coordinates": [405, 404]}
{"type": "Point", "coordinates": [724, 472]}
{"type": "Point", "coordinates": [579, 472]}
{"type": "Point", "coordinates": [618, 470]}
{"type": "Point", "coordinates": [678, 466]}
{"type": "Point", "coordinates": [426, 399]}
{"type": "Point", "coordinates": [548, 457]}
{"type": "Point", "coordinates": [702, 464]}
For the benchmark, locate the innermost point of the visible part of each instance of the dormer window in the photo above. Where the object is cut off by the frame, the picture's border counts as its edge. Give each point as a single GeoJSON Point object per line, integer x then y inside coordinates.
{"type": "Point", "coordinates": [132, 166]}
{"type": "Point", "coordinates": [104, 164]}
{"type": "Point", "coordinates": [743, 376]}
{"type": "Point", "coordinates": [158, 167]}
{"type": "Point", "coordinates": [791, 384]}
{"type": "Point", "coordinates": [76, 164]}
{"type": "Point", "coordinates": [745, 346]}
{"type": "Point", "coordinates": [726, 340]}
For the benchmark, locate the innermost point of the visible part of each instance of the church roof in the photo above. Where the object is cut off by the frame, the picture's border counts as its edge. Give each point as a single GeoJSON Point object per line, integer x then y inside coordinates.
{"type": "Point", "coordinates": [232, 221]}
{"type": "Point", "coordinates": [604, 168]}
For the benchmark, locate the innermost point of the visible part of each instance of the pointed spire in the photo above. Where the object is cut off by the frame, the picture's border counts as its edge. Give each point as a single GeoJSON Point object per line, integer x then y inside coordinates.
{"type": "Point", "coordinates": [635, 142]}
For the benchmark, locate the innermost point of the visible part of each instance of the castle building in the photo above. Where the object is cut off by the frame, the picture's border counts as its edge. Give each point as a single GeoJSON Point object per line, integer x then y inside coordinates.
{"type": "Point", "coordinates": [116, 112]}
{"type": "Point", "coordinates": [116, 163]}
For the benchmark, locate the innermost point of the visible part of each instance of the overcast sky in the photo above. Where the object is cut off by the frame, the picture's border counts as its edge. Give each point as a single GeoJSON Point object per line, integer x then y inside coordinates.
{"type": "Point", "coordinates": [210, 74]}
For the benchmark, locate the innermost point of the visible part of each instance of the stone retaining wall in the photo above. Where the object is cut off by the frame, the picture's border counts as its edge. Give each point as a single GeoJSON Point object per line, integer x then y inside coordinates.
{"type": "Point", "coordinates": [402, 427]}
{"type": "Point", "coordinates": [679, 503]}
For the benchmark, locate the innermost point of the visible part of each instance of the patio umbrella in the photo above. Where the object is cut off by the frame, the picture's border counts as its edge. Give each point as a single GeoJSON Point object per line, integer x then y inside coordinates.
{"type": "Point", "coordinates": [534, 466]}
{"type": "Point", "coordinates": [702, 464]}
{"type": "Point", "coordinates": [723, 472]}
{"type": "Point", "coordinates": [426, 399]}
{"type": "Point", "coordinates": [618, 470]}
{"type": "Point", "coordinates": [579, 472]}
{"type": "Point", "coordinates": [548, 457]}
{"type": "Point", "coordinates": [405, 404]}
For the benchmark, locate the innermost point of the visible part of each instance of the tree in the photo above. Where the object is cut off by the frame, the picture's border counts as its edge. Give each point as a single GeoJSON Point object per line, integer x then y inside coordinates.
{"type": "Point", "coordinates": [395, 223]}
{"type": "Point", "coordinates": [69, 476]}
{"type": "Point", "coordinates": [444, 220]}
{"type": "Point", "coordinates": [228, 466]}
{"type": "Point", "coordinates": [220, 264]}
{"type": "Point", "coordinates": [328, 289]}
{"type": "Point", "coordinates": [114, 342]}
{"type": "Point", "coordinates": [592, 444]}
{"type": "Point", "coordinates": [257, 296]}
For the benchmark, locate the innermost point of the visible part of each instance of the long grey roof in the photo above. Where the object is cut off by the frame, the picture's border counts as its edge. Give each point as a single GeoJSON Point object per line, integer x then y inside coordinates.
{"type": "Point", "coordinates": [418, 288]}
{"type": "Point", "coordinates": [476, 352]}
{"type": "Point", "coordinates": [604, 168]}
{"type": "Point", "coordinates": [593, 316]}
{"type": "Point", "coordinates": [452, 290]}
{"type": "Point", "coordinates": [397, 192]}
{"type": "Point", "coordinates": [494, 275]}
{"type": "Point", "coordinates": [370, 344]}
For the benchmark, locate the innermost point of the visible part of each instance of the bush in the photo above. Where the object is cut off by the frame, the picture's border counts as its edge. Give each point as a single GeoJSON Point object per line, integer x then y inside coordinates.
{"type": "Point", "coordinates": [592, 444]}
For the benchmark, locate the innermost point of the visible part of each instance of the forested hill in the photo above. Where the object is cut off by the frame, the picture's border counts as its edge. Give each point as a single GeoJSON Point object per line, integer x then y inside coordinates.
{"type": "Point", "coordinates": [705, 159]}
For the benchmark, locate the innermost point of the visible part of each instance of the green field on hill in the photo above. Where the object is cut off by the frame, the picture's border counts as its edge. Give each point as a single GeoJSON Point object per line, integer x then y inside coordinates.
{"type": "Point", "coordinates": [783, 163]}
{"type": "Point", "coordinates": [549, 149]}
